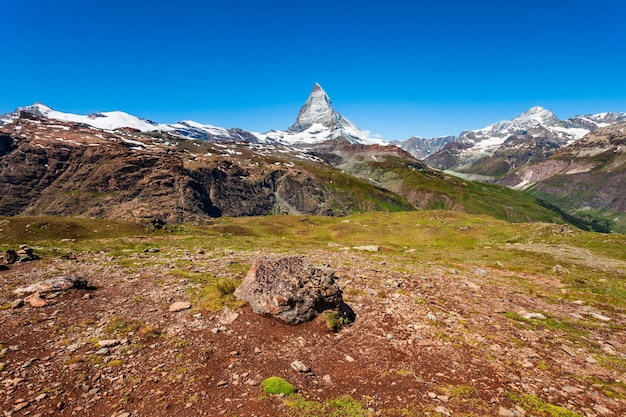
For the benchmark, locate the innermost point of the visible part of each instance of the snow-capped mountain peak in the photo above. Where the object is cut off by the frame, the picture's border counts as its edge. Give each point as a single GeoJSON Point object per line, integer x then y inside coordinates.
{"type": "Point", "coordinates": [317, 109]}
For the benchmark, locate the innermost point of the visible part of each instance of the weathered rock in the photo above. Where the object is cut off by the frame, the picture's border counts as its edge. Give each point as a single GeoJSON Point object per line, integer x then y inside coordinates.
{"type": "Point", "coordinates": [299, 366]}
{"type": "Point", "coordinates": [54, 284]}
{"type": "Point", "coordinates": [291, 289]}
{"type": "Point", "coordinates": [35, 300]}
{"type": "Point", "coordinates": [17, 303]}
{"type": "Point", "coordinates": [180, 306]}
{"type": "Point", "coordinates": [10, 256]}
{"type": "Point", "coordinates": [367, 248]}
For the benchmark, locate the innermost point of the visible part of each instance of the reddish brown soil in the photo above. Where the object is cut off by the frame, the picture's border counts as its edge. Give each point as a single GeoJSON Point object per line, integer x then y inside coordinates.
{"type": "Point", "coordinates": [393, 358]}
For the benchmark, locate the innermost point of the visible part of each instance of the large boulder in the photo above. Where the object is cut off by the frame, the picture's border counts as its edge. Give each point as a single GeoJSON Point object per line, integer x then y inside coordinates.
{"type": "Point", "coordinates": [291, 289]}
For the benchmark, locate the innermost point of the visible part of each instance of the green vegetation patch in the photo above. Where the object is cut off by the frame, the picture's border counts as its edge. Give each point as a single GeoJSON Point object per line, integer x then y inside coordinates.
{"type": "Point", "coordinates": [276, 385]}
{"type": "Point", "coordinates": [539, 407]}
{"type": "Point", "coordinates": [343, 406]}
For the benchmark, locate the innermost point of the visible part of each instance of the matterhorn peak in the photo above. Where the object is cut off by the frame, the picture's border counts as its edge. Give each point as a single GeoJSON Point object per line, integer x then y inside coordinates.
{"type": "Point", "coordinates": [317, 109]}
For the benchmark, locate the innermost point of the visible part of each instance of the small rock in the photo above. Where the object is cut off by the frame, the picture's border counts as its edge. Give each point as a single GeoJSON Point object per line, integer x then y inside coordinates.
{"type": "Point", "coordinates": [41, 396]}
{"type": "Point", "coordinates": [480, 271]}
{"type": "Point", "coordinates": [299, 366]}
{"type": "Point", "coordinates": [442, 410]}
{"type": "Point", "coordinates": [505, 412]}
{"type": "Point", "coordinates": [20, 406]}
{"type": "Point", "coordinates": [472, 285]}
{"type": "Point", "coordinates": [558, 269]}
{"type": "Point", "coordinates": [326, 378]}
{"type": "Point", "coordinates": [17, 303]}
{"type": "Point", "coordinates": [571, 390]}
{"type": "Point", "coordinates": [35, 300]}
{"type": "Point", "coordinates": [349, 358]}
{"type": "Point", "coordinates": [123, 414]}
{"type": "Point", "coordinates": [87, 296]}
{"type": "Point", "coordinates": [257, 350]}
{"type": "Point", "coordinates": [591, 359]}
{"type": "Point", "coordinates": [367, 248]}
{"type": "Point", "coordinates": [430, 316]}
{"type": "Point", "coordinates": [568, 350]}
{"type": "Point", "coordinates": [600, 317]}
{"type": "Point", "coordinates": [602, 410]}
{"type": "Point", "coordinates": [222, 383]}
{"type": "Point", "coordinates": [103, 351]}
{"type": "Point", "coordinates": [537, 316]}
{"type": "Point", "coordinates": [108, 343]}
{"type": "Point", "coordinates": [180, 306]}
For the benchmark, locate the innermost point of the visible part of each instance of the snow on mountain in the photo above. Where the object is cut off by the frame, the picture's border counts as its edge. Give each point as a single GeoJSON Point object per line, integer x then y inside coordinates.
{"type": "Point", "coordinates": [101, 120]}
{"type": "Point", "coordinates": [317, 122]}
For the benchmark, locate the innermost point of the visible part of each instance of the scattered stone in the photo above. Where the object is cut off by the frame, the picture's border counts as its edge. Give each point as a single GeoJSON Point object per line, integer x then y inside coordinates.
{"type": "Point", "coordinates": [480, 271]}
{"type": "Point", "coordinates": [35, 300]}
{"type": "Point", "coordinates": [180, 306]}
{"type": "Point", "coordinates": [537, 316]}
{"type": "Point", "coordinates": [602, 410]}
{"type": "Point", "coordinates": [442, 410]}
{"type": "Point", "coordinates": [41, 396]}
{"type": "Point", "coordinates": [257, 350]}
{"type": "Point", "coordinates": [17, 303]}
{"type": "Point", "coordinates": [299, 366]}
{"type": "Point", "coordinates": [222, 383]}
{"type": "Point", "coordinates": [599, 316]}
{"type": "Point", "coordinates": [558, 269]}
{"type": "Point", "coordinates": [326, 378]}
{"type": "Point", "coordinates": [472, 285]}
{"type": "Point", "coordinates": [108, 343]}
{"type": "Point", "coordinates": [571, 390]}
{"type": "Point", "coordinates": [349, 358]}
{"type": "Point", "coordinates": [10, 256]}
{"type": "Point", "coordinates": [568, 350]}
{"type": "Point", "coordinates": [505, 412]}
{"type": "Point", "coordinates": [291, 289]}
{"type": "Point", "coordinates": [228, 316]}
{"type": "Point", "coordinates": [431, 316]}
{"type": "Point", "coordinates": [591, 360]}
{"type": "Point", "coordinates": [104, 351]}
{"type": "Point", "coordinates": [367, 248]}
{"type": "Point", "coordinates": [20, 406]}
{"type": "Point", "coordinates": [87, 296]}
{"type": "Point", "coordinates": [54, 284]}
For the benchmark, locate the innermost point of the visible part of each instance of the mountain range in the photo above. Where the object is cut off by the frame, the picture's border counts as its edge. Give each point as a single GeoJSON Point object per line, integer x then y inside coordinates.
{"type": "Point", "coordinates": [320, 144]}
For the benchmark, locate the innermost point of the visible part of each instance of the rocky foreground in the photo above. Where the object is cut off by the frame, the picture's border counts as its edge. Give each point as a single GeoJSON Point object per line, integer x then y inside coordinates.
{"type": "Point", "coordinates": [428, 339]}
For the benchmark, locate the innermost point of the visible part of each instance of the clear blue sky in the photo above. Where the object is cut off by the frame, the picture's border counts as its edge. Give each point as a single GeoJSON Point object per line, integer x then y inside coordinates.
{"type": "Point", "coordinates": [397, 68]}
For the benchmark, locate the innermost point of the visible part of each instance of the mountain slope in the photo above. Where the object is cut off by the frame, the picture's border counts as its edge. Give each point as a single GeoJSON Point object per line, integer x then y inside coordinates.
{"type": "Point", "coordinates": [503, 146]}
{"type": "Point", "coordinates": [57, 168]}
{"type": "Point", "coordinates": [586, 179]}
{"type": "Point", "coordinates": [64, 168]}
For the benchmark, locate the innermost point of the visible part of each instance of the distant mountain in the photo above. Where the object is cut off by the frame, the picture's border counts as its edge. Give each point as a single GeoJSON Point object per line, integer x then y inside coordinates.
{"type": "Point", "coordinates": [503, 146]}
{"type": "Point", "coordinates": [586, 179]}
{"type": "Point", "coordinates": [54, 167]}
{"type": "Point", "coordinates": [421, 147]}
{"type": "Point", "coordinates": [317, 122]}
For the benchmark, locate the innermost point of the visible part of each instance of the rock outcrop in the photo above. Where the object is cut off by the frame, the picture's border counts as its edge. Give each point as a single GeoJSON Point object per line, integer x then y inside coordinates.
{"type": "Point", "coordinates": [290, 289]}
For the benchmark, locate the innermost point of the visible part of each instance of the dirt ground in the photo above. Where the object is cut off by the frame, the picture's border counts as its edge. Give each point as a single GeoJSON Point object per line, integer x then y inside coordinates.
{"type": "Point", "coordinates": [427, 340]}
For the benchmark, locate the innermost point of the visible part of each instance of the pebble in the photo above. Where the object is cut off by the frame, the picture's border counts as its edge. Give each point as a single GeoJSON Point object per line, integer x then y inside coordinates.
{"type": "Point", "coordinates": [180, 306]}
{"type": "Point", "coordinates": [108, 343]}
{"type": "Point", "coordinates": [599, 316]}
{"type": "Point", "coordinates": [568, 350]}
{"type": "Point", "coordinates": [442, 410]}
{"type": "Point", "coordinates": [505, 412]}
{"type": "Point", "coordinates": [349, 358]}
{"type": "Point", "coordinates": [222, 383]}
{"type": "Point", "coordinates": [299, 366]}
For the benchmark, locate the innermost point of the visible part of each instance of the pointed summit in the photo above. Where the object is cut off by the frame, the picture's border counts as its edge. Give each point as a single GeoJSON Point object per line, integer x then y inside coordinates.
{"type": "Point", "coordinates": [317, 109]}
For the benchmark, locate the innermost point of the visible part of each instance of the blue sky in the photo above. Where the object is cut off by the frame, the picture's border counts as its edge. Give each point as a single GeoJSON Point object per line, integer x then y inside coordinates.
{"type": "Point", "coordinates": [396, 68]}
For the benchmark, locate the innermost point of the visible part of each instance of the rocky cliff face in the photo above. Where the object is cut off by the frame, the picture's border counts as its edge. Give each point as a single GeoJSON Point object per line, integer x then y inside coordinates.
{"type": "Point", "coordinates": [56, 168]}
